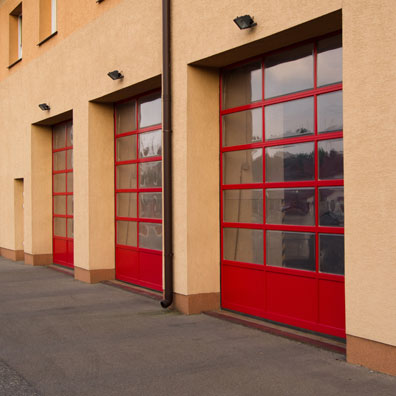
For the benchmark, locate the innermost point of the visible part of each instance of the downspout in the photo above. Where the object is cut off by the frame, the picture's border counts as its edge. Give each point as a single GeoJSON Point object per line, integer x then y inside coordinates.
{"type": "Point", "coordinates": [167, 158]}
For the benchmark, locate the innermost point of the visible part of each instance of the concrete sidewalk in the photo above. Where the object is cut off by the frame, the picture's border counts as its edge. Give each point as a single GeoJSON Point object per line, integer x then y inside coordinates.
{"type": "Point", "coordinates": [59, 336]}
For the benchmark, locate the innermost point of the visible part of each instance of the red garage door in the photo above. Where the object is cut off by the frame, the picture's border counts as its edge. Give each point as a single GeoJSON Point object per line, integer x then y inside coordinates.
{"type": "Point", "coordinates": [62, 193]}
{"type": "Point", "coordinates": [282, 202]}
{"type": "Point", "coordinates": [138, 179]}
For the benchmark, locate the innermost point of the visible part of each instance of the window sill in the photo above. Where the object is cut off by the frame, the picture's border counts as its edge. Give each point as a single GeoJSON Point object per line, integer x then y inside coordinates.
{"type": "Point", "coordinates": [14, 63]}
{"type": "Point", "coordinates": [47, 38]}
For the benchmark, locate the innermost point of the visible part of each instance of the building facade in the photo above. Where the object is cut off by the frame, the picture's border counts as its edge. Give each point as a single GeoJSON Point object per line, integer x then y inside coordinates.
{"type": "Point", "coordinates": [278, 131]}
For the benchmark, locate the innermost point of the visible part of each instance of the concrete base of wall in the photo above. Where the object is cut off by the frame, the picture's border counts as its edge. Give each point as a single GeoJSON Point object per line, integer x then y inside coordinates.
{"type": "Point", "coordinates": [38, 259]}
{"type": "Point", "coordinates": [93, 276]}
{"type": "Point", "coordinates": [371, 354]}
{"type": "Point", "coordinates": [196, 303]}
{"type": "Point", "coordinates": [14, 255]}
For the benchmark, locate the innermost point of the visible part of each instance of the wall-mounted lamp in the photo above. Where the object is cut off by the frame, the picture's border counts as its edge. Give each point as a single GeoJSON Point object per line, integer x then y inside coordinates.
{"type": "Point", "coordinates": [44, 106]}
{"type": "Point", "coordinates": [245, 22]}
{"type": "Point", "coordinates": [99, 1]}
{"type": "Point", "coordinates": [115, 75]}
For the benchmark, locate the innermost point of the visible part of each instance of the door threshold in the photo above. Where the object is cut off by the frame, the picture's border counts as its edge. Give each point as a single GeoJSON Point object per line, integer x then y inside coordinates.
{"type": "Point", "coordinates": [134, 289]}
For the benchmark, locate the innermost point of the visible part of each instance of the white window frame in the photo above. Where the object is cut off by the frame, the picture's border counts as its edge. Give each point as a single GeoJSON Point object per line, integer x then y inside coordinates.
{"type": "Point", "coordinates": [19, 36]}
{"type": "Point", "coordinates": [53, 16]}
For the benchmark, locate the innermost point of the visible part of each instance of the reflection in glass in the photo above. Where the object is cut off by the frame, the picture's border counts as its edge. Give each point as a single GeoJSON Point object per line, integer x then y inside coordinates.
{"type": "Point", "coordinates": [331, 259]}
{"type": "Point", "coordinates": [59, 136]}
{"type": "Point", "coordinates": [243, 127]}
{"type": "Point", "coordinates": [60, 183]}
{"type": "Point", "coordinates": [69, 156]}
{"type": "Point", "coordinates": [59, 160]}
{"type": "Point", "coordinates": [126, 176]}
{"type": "Point", "coordinates": [70, 182]}
{"type": "Point", "coordinates": [289, 71]}
{"type": "Point", "coordinates": [150, 110]}
{"type": "Point", "coordinates": [330, 112]}
{"type": "Point", "coordinates": [60, 204]}
{"type": "Point", "coordinates": [330, 60]}
{"type": "Point", "coordinates": [290, 206]}
{"type": "Point", "coordinates": [60, 226]}
{"type": "Point", "coordinates": [150, 144]}
{"type": "Point", "coordinates": [331, 206]}
{"type": "Point", "coordinates": [70, 204]}
{"type": "Point", "coordinates": [126, 148]}
{"type": "Point", "coordinates": [291, 250]}
{"type": "Point", "coordinates": [331, 159]}
{"type": "Point", "coordinates": [126, 205]}
{"type": "Point", "coordinates": [242, 85]}
{"type": "Point", "coordinates": [290, 163]}
{"type": "Point", "coordinates": [127, 233]}
{"type": "Point", "coordinates": [70, 228]}
{"type": "Point", "coordinates": [150, 205]}
{"type": "Point", "coordinates": [126, 117]}
{"type": "Point", "coordinates": [150, 174]}
{"type": "Point", "coordinates": [294, 118]}
{"type": "Point", "coordinates": [245, 245]}
{"type": "Point", "coordinates": [243, 206]}
{"type": "Point", "coordinates": [243, 166]}
{"type": "Point", "coordinates": [150, 236]}
{"type": "Point", "coordinates": [69, 134]}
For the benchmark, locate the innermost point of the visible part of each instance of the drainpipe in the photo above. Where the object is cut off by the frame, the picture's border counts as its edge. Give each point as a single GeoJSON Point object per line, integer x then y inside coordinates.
{"type": "Point", "coordinates": [167, 158]}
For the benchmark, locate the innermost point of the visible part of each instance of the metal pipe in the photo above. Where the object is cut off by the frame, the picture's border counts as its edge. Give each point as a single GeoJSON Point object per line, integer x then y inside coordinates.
{"type": "Point", "coordinates": [167, 156]}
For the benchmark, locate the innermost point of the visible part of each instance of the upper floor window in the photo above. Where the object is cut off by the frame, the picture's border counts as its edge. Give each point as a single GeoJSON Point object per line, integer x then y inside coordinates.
{"type": "Point", "coordinates": [15, 35]}
{"type": "Point", "coordinates": [47, 19]}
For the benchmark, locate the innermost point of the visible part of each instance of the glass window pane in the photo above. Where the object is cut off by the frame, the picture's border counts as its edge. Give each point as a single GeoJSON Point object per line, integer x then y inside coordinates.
{"type": "Point", "coordinates": [70, 228]}
{"type": "Point", "coordinates": [289, 71]}
{"type": "Point", "coordinates": [150, 236]}
{"type": "Point", "coordinates": [60, 204]}
{"type": "Point", "coordinates": [59, 136]}
{"type": "Point", "coordinates": [126, 205]}
{"type": "Point", "coordinates": [70, 205]}
{"type": "Point", "coordinates": [150, 144]}
{"type": "Point", "coordinates": [126, 176]}
{"type": "Point", "coordinates": [330, 60]}
{"type": "Point", "coordinates": [243, 206]}
{"type": "Point", "coordinates": [290, 163]}
{"type": "Point", "coordinates": [126, 148]}
{"type": "Point", "coordinates": [59, 161]}
{"type": "Point", "coordinates": [290, 206]}
{"type": "Point", "coordinates": [126, 117]}
{"type": "Point", "coordinates": [69, 156]}
{"type": "Point", "coordinates": [242, 85]}
{"type": "Point", "coordinates": [150, 111]}
{"type": "Point", "coordinates": [331, 258]}
{"type": "Point", "coordinates": [69, 134]}
{"type": "Point", "coordinates": [331, 159]}
{"type": "Point", "coordinates": [60, 183]}
{"type": "Point", "coordinates": [295, 118]}
{"type": "Point", "coordinates": [150, 205]}
{"type": "Point", "coordinates": [150, 174]}
{"type": "Point", "coordinates": [70, 182]}
{"type": "Point", "coordinates": [127, 233]}
{"type": "Point", "coordinates": [243, 127]}
{"type": "Point", "coordinates": [245, 245]}
{"type": "Point", "coordinates": [330, 112]}
{"type": "Point", "coordinates": [291, 250]}
{"type": "Point", "coordinates": [60, 226]}
{"type": "Point", "coordinates": [243, 166]}
{"type": "Point", "coordinates": [331, 206]}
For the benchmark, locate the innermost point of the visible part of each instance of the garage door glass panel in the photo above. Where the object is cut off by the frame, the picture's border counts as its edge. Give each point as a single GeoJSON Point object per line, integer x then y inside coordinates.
{"type": "Point", "coordinates": [59, 136]}
{"type": "Point", "coordinates": [330, 60]}
{"type": "Point", "coordinates": [59, 160]}
{"type": "Point", "coordinates": [150, 110]}
{"type": "Point", "coordinates": [60, 226]}
{"type": "Point", "coordinates": [70, 228]}
{"type": "Point", "coordinates": [150, 236]}
{"type": "Point", "coordinates": [242, 85]}
{"type": "Point", "coordinates": [244, 127]}
{"type": "Point", "coordinates": [289, 71]}
{"type": "Point", "coordinates": [290, 163]}
{"type": "Point", "coordinates": [126, 176]}
{"type": "Point", "coordinates": [331, 206]}
{"type": "Point", "coordinates": [290, 206]}
{"type": "Point", "coordinates": [331, 159]}
{"type": "Point", "coordinates": [330, 112]}
{"type": "Point", "coordinates": [126, 117]}
{"type": "Point", "coordinates": [243, 166]}
{"type": "Point", "coordinates": [291, 250]}
{"type": "Point", "coordinates": [243, 206]}
{"type": "Point", "coordinates": [289, 119]}
{"type": "Point", "coordinates": [244, 245]}
{"type": "Point", "coordinates": [70, 203]}
{"type": "Point", "coordinates": [59, 204]}
{"type": "Point", "coordinates": [69, 134]}
{"type": "Point", "coordinates": [126, 148]}
{"type": "Point", "coordinates": [150, 205]}
{"type": "Point", "coordinates": [127, 233]}
{"type": "Point", "coordinates": [126, 204]}
{"type": "Point", "coordinates": [69, 156]}
{"type": "Point", "coordinates": [150, 174]}
{"type": "Point", "coordinates": [150, 144]}
{"type": "Point", "coordinates": [70, 182]}
{"type": "Point", "coordinates": [331, 253]}
{"type": "Point", "coordinates": [59, 183]}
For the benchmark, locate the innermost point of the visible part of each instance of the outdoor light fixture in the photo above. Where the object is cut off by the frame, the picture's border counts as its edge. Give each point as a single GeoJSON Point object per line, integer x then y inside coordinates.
{"type": "Point", "coordinates": [115, 75]}
{"type": "Point", "coordinates": [44, 106]}
{"type": "Point", "coordinates": [245, 22]}
{"type": "Point", "coordinates": [99, 1]}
